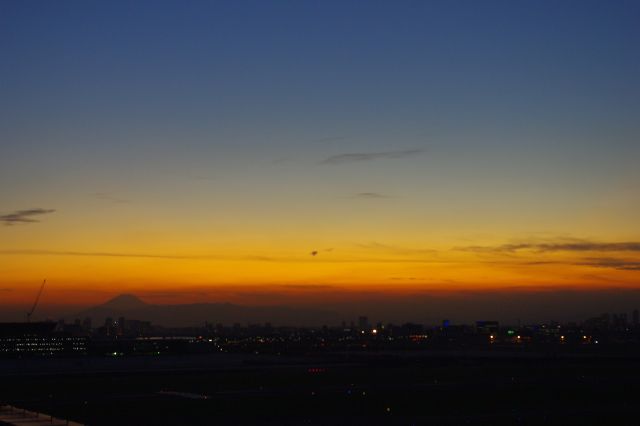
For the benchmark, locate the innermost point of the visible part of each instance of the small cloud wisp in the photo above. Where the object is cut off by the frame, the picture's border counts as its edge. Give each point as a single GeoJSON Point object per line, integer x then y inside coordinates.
{"type": "Point", "coordinates": [369, 156]}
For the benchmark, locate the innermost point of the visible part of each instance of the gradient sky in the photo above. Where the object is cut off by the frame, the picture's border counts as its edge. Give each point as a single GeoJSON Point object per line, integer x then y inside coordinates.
{"type": "Point", "coordinates": [168, 148]}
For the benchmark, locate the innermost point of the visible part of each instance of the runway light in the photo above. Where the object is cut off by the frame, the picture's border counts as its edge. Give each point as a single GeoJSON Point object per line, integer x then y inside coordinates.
{"type": "Point", "coordinates": [374, 331]}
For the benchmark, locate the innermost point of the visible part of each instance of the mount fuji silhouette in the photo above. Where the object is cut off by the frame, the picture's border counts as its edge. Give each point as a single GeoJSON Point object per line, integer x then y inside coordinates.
{"type": "Point", "coordinates": [125, 302]}
{"type": "Point", "coordinates": [130, 306]}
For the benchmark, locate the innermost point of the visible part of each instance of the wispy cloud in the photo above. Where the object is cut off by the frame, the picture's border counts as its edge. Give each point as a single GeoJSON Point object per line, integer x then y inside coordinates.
{"type": "Point", "coordinates": [369, 195]}
{"type": "Point", "coordinates": [605, 262]}
{"type": "Point", "coordinates": [24, 216]}
{"type": "Point", "coordinates": [569, 245]}
{"type": "Point", "coordinates": [110, 197]}
{"type": "Point", "coordinates": [118, 254]}
{"type": "Point", "coordinates": [220, 257]}
{"type": "Point", "coordinates": [160, 256]}
{"type": "Point", "coordinates": [316, 252]}
{"type": "Point", "coordinates": [573, 245]}
{"type": "Point", "coordinates": [330, 139]}
{"type": "Point", "coordinates": [396, 249]}
{"type": "Point", "coordinates": [308, 286]}
{"type": "Point", "coordinates": [369, 156]}
{"type": "Point", "coordinates": [282, 160]}
{"type": "Point", "coordinates": [201, 177]}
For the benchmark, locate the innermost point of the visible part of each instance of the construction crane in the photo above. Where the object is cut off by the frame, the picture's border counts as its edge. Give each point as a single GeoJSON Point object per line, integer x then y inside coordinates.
{"type": "Point", "coordinates": [35, 304]}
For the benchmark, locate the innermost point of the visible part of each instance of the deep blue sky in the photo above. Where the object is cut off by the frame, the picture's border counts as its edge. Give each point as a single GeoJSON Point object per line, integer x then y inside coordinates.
{"type": "Point", "coordinates": [97, 92]}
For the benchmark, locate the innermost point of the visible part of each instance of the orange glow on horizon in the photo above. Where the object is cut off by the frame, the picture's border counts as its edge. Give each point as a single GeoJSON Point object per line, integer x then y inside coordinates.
{"type": "Point", "coordinates": [263, 277]}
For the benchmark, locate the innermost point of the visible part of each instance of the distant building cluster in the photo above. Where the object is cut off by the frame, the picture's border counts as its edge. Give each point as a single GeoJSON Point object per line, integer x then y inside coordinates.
{"type": "Point", "coordinates": [121, 336]}
{"type": "Point", "coordinates": [39, 339]}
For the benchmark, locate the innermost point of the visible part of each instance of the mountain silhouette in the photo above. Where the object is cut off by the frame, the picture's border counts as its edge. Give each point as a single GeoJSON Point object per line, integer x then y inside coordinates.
{"type": "Point", "coordinates": [124, 302]}
{"type": "Point", "coordinates": [131, 307]}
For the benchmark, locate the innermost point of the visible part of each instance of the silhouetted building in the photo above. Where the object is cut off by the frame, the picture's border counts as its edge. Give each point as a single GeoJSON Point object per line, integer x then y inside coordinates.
{"type": "Point", "coordinates": [363, 323]}
{"type": "Point", "coordinates": [137, 328]}
{"type": "Point", "coordinates": [86, 324]}
{"type": "Point", "coordinates": [120, 326]}
{"type": "Point", "coordinates": [487, 327]}
{"type": "Point", "coordinates": [599, 323]}
{"type": "Point", "coordinates": [619, 321]}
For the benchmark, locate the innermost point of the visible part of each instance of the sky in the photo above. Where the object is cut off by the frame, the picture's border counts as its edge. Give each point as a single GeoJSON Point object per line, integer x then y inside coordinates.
{"type": "Point", "coordinates": [318, 152]}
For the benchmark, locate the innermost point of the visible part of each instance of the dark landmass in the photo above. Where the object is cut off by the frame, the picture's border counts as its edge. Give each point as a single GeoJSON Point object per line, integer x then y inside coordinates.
{"type": "Point", "coordinates": [378, 389]}
{"type": "Point", "coordinates": [128, 371]}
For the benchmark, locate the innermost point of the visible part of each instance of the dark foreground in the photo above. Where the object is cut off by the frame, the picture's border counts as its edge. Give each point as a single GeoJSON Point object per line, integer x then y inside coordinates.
{"type": "Point", "coordinates": [395, 389]}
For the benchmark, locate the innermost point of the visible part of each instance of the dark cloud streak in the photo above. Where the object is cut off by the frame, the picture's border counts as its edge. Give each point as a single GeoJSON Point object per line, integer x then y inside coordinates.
{"type": "Point", "coordinates": [301, 259]}
{"type": "Point", "coordinates": [24, 216]}
{"type": "Point", "coordinates": [369, 156]}
{"type": "Point", "coordinates": [330, 139]}
{"type": "Point", "coordinates": [108, 196]}
{"type": "Point", "coordinates": [308, 286]}
{"type": "Point", "coordinates": [576, 246]}
{"type": "Point", "coordinates": [619, 264]}
{"type": "Point", "coordinates": [369, 195]}
{"type": "Point", "coordinates": [115, 254]}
